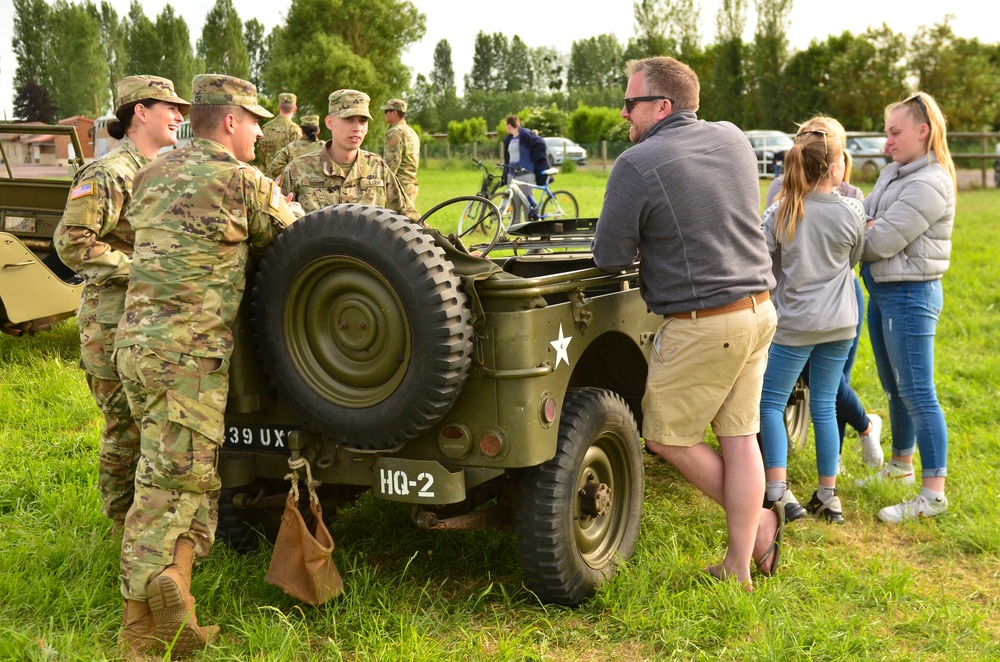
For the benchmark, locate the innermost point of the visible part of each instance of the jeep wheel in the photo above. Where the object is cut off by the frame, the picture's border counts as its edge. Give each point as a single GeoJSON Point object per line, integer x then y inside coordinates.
{"type": "Point", "coordinates": [362, 325]}
{"type": "Point", "coordinates": [577, 515]}
{"type": "Point", "coordinates": [797, 416]}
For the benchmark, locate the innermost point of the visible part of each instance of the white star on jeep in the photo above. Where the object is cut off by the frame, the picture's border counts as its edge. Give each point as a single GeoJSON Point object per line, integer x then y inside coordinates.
{"type": "Point", "coordinates": [560, 346]}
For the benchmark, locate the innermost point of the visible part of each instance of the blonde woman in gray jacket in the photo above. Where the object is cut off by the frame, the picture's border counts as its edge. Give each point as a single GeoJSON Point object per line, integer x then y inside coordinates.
{"type": "Point", "coordinates": [910, 213]}
{"type": "Point", "coordinates": [815, 237]}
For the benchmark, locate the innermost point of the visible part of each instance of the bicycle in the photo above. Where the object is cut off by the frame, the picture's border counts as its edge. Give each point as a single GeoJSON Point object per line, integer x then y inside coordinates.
{"type": "Point", "coordinates": [477, 214]}
{"type": "Point", "coordinates": [554, 204]}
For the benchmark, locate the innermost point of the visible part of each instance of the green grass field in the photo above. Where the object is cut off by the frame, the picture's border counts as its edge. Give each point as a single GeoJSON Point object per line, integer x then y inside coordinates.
{"type": "Point", "coordinates": [925, 590]}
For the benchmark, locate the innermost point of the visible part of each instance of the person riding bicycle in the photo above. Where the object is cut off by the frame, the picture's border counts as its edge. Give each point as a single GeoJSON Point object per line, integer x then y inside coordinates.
{"type": "Point", "coordinates": [523, 149]}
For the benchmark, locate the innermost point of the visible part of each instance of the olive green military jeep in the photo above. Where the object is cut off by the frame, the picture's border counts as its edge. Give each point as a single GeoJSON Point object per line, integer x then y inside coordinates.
{"type": "Point", "coordinates": [36, 289]}
{"type": "Point", "coordinates": [485, 392]}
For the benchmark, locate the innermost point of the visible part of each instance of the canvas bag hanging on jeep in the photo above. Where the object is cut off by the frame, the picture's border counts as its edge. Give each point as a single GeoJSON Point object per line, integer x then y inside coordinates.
{"type": "Point", "coordinates": [302, 562]}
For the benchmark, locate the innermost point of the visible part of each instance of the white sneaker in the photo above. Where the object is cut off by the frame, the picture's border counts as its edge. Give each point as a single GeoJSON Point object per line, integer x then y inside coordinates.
{"type": "Point", "coordinates": [871, 444]}
{"type": "Point", "coordinates": [889, 474]}
{"type": "Point", "coordinates": [917, 506]}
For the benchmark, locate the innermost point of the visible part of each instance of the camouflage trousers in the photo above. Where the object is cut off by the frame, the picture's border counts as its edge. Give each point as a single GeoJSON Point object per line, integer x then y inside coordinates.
{"type": "Point", "coordinates": [120, 436]}
{"type": "Point", "coordinates": [180, 402]}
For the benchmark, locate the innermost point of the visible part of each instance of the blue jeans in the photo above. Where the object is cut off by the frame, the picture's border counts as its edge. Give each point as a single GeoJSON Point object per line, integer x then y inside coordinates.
{"type": "Point", "coordinates": [849, 407]}
{"type": "Point", "coordinates": [902, 321]}
{"type": "Point", "coordinates": [784, 364]}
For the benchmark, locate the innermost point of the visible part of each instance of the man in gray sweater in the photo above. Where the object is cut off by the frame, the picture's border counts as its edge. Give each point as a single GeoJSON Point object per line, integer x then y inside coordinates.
{"type": "Point", "coordinates": [686, 199]}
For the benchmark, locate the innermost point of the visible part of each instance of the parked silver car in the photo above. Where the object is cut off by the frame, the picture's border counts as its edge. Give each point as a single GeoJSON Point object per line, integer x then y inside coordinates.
{"type": "Point", "coordinates": [770, 148]}
{"type": "Point", "coordinates": [866, 153]}
{"type": "Point", "coordinates": [558, 148]}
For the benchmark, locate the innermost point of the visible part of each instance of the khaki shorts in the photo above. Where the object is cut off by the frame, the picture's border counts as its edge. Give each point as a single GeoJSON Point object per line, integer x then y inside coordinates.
{"type": "Point", "coordinates": [707, 371]}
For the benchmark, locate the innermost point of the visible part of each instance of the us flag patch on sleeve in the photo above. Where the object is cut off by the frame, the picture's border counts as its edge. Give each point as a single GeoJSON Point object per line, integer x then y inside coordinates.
{"type": "Point", "coordinates": [275, 200]}
{"type": "Point", "coordinates": [81, 190]}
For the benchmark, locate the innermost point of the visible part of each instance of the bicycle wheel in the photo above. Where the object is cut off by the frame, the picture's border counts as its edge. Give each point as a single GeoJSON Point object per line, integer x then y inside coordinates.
{"type": "Point", "coordinates": [504, 200]}
{"type": "Point", "coordinates": [560, 204]}
{"type": "Point", "coordinates": [474, 217]}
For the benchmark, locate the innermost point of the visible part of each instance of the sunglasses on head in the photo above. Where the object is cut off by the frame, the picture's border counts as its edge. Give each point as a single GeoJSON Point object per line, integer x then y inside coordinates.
{"type": "Point", "coordinates": [631, 102]}
{"type": "Point", "coordinates": [817, 132]}
{"type": "Point", "coordinates": [920, 103]}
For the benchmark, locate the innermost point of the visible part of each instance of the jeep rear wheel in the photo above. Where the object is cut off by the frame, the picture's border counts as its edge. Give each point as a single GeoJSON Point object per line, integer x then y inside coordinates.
{"type": "Point", "coordinates": [797, 416]}
{"type": "Point", "coordinates": [362, 325]}
{"type": "Point", "coordinates": [577, 515]}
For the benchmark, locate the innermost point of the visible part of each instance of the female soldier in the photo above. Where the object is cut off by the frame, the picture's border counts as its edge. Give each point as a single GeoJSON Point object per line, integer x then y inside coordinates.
{"type": "Point", "coordinates": [94, 238]}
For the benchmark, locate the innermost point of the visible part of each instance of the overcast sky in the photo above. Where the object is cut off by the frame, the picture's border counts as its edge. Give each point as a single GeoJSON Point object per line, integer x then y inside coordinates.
{"type": "Point", "coordinates": [558, 23]}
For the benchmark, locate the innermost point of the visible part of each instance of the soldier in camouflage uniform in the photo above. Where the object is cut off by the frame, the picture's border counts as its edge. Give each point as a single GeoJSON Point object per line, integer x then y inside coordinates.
{"type": "Point", "coordinates": [196, 213]}
{"type": "Point", "coordinates": [402, 147]}
{"type": "Point", "coordinates": [342, 172]}
{"type": "Point", "coordinates": [94, 239]}
{"type": "Point", "coordinates": [280, 131]}
{"type": "Point", "coordinates": [308, 144]}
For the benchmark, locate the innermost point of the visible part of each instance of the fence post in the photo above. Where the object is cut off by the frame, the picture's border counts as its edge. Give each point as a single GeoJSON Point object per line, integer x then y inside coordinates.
{"type": "Point", "coordinates": [604, 155]}
{"type": "Point", "coordinates": [982, 162]}
{"type": "Point", "coordinates": [475, 151]}
{"type": "Point", "coordinates": [447, 150]}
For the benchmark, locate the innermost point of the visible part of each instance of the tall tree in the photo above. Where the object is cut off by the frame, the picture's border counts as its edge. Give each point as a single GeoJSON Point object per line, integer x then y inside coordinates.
{"type": "Point", "coordinates": [518, 74]}
{"type": "Point", "coordinates": [723, 97]}
{"type": "Point", "coordinates": [142, 43]}
{"type": "Point", "coordinates": [652, 30]}
{"type": "Point", "coordinates": [958, 73]}
{"type": "Point", "coordinates": [443, 75]}
{"type": "Point", "coordinates": [78, 57]}
{"type": "Point", "coordinates": [596, 62]}
{"type": "Point", "coordinates": [550, 69]}
{"type": "Point", "coordinates": [33, 103]}
{"type": "Point", "coordinates": [489, 63]}
{"type": "Point", "coordinates": [221, 45]}
{"type": "Point", "coordinates": [872, 62]}
{"type": "Point", "coordinates": [31, 31]}
{"type": "Point", "coordinates": [177, 61]}
{"type": "Point", "coordinates": [684, 20]}
{"type": "Point", "coordinates": [441, 91]}
{"type": "Point", "coordinates": [769, 55]}
{"type": "Point", "coordinates": [423, 107]}
{"type": "Point", "coordinates": [325, 45]}
{"type": "Point", "coordinates": [256, 44]}
{"type": "Point", "coordinates": [113, 45]}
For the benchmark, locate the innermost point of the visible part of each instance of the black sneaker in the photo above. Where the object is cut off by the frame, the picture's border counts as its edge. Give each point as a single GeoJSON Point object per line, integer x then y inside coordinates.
{"type": "Point", "coordinates": [793, 509]}
{"type": "Point", "coordinates": [831, 511]}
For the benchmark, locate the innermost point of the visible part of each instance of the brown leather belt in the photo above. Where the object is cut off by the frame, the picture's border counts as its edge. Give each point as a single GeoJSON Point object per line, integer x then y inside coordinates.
{"type": "Point", "coordinates": [739, 304]}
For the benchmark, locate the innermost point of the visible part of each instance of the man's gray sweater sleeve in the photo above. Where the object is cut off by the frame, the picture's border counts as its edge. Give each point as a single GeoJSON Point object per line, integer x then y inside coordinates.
{"type": "Point", "coordinates": [616, 240]}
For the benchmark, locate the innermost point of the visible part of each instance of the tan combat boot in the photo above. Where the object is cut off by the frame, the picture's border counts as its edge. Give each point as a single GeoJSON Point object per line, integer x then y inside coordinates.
{"type": "Point", "coordinates": [172, 605]}
{"type": "Point", "coordinates": [138, 627]}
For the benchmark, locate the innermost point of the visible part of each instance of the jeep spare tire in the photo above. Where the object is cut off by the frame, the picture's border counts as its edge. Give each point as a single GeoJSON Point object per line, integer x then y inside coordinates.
{"type": "Point", "coordinates": [362, 325]}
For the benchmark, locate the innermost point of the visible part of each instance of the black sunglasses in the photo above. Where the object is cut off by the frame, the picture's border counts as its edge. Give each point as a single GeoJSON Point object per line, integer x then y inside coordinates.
{"type": "Point", "coordinates": [630, 102]}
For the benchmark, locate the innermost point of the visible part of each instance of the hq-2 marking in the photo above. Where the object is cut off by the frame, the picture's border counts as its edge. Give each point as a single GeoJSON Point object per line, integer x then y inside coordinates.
{"type": "Point", "coordinates": [393, 482]}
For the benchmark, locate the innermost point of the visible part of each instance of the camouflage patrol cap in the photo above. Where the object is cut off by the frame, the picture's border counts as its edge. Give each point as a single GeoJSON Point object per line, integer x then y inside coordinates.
{"type": "Point", "coordinates": [287, 97]}
{"type": "Point", "coordinates": [395, 104]}
{"type": "Point", "coordinates": [349, 103]}
{"type": "Point", "coordinates": [137, 88]}
{"type": "Point", "coordinates": [220, 90]}
{"type": "Point", "coordinates": [310, 120]}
